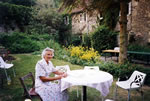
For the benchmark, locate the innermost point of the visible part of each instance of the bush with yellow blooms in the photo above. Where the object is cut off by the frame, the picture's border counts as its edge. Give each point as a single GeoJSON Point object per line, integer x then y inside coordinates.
{"type": "Point", "coordinates": [84, 53]}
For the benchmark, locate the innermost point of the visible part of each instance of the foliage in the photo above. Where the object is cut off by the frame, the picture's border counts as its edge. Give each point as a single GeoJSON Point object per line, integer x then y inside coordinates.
{"type": "Point", "coordinates": [75, 40]}
{"type": "Point", "coordinates": [81, 55]}
{"type": "Point", "coordinates": [48, 20]}
{"type": "Point", "coordinates": [42, 37]}
{"type": "Point", "coordinates": [103, 38]}
{"type": "Point", "coordinates": [86, 40]}
{"type": "Point", "coordinates": [19, 43]}
{"type": "Point", "coordinates": [60, 52]}
{"type": "Point", "coordinates": [138, 48]}
{"type": "Point", "coordinates": [110, 16]}
{"type": "Point", "coordinates": [14, 14]}
{"type": "Point", "coordinates": [20, 2]}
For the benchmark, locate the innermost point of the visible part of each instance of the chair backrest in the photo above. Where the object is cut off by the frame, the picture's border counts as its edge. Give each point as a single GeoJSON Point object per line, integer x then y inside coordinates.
{"type": "Point", "coordinates": [91, 68]}
{"type": "Point", "coordinates": [137, 77]}
{"type": "Point", "coordinates": [64, 68]}
{"type": "Point", "coordinates": [27, 91]}
{"type": "Point", "coordinates": [116, 48]}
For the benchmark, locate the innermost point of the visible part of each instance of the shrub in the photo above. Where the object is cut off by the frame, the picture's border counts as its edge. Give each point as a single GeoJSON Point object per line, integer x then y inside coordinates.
{"type": "Point", "coordinates": [19, 43]}
{"type": "Point", "coordinates": [45, 37]}
{"type": "Point", "coordinates": [14, 14]}
{"type": "Point", "coordinates": [86, 40]}
{"type": "Point", "coordinates": [81, 55]}
{"type": "Point", "coordinates": [76, 40]}
{"type": "Point", "coordinates": [138, 48]}
{"type": "Point", "coordinates": [60, 52]}
{"type": "Point", "coordinates": [103, 38]}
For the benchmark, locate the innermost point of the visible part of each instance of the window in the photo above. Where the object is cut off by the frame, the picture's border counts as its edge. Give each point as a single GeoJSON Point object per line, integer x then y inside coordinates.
{"type": "Point", "coordinates": [129, 8]}
{"type": "Point", "coordinates": [66, 20]}
{"type": "Point", "coordinates": [84, 16]}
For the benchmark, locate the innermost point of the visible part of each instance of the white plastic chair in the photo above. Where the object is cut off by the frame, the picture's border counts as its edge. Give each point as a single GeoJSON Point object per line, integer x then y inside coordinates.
{"type": "Point", "coordinates": [4, 65]}
{"type": "Point", "coordinates": [109, 100]}
{"type": "Point", "coordinates": [135, 81]}
{"type": "Point", "coordinates": [91, 68]}
{"type": "Point", "coordinates": [117, 48]}
{"type": "Point", "coordinates": [64, 68]}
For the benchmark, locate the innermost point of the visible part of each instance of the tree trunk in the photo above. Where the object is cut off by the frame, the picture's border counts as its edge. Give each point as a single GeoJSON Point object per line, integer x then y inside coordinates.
{"type": "Point", "coordinates": [123, 32]}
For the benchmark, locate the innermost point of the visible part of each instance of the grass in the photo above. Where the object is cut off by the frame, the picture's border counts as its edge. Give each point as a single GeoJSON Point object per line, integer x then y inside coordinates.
{"type": "Point", "coordinates": [25, 63]}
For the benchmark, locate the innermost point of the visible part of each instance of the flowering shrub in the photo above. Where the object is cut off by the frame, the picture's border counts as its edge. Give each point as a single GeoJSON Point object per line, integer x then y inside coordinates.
{"type": "Point", "coordinates": [76, 51]}
{"type": "Point", "coordinates": [84, 53]}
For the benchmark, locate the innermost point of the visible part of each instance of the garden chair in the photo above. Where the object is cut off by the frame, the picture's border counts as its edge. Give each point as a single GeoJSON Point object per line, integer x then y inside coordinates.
{"type": "Point", "coordinates": [135, 81]}
{"type": "Point", "coordinates": [109, 100]}
{"type": "Point", "coordinates": [91, 68]}
{"type": "Point", "coordinates": [29, 90]}
{"type": "Point", "coordinates": [64, 68]}
{"type": "Point", "coordinates": [4, 65]}
{"type": "Point", "coordinates": [117, 48]}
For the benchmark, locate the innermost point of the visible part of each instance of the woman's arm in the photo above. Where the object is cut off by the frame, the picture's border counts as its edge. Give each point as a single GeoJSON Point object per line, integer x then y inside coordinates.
{"type": "Point", "coordinates": [46, 79]}
{"type": "Point", "coordinates": [58, 72]}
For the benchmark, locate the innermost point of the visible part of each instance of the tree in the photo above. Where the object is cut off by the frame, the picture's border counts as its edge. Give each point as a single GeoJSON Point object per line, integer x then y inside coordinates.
{"type": "Point", "coordinates": [105, 5]}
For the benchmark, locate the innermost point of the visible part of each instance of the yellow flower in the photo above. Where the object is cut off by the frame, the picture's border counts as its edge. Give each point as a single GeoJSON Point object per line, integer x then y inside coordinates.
{"type": "Point", "coordinates": [84, 53]}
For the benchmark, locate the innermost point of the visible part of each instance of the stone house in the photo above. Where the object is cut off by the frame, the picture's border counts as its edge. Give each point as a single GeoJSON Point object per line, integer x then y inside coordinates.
{"type": "Point", "coordinates": [138, 25]}
{"type": "Point", "coordinates": [140, 20]}
{"type": "Point", "coordinates": [83, 21]}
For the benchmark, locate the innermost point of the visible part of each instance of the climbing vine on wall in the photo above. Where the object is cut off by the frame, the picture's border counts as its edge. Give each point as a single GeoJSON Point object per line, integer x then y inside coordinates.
{"type": "Point", "coordinates": [11, 14]}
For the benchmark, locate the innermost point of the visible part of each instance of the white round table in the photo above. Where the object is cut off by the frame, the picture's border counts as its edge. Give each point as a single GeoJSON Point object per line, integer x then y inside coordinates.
{"type": "Point", "coordinates": [96, 79]}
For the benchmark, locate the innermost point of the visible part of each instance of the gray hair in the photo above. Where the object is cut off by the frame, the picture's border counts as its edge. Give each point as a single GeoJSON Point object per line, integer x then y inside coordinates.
{"type": "Point", "coordinates": [45, 50]}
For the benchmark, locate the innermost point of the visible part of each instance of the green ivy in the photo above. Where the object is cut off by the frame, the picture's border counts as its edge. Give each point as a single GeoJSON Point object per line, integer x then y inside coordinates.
{"type": "Point", "coordinates": [11, 13]}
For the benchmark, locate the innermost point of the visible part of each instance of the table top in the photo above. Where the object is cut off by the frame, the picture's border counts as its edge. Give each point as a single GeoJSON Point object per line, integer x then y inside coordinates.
{"type": "Point", "coordinates": [111, 51]}
{"type": "Point", "coordinates": [96, 79]}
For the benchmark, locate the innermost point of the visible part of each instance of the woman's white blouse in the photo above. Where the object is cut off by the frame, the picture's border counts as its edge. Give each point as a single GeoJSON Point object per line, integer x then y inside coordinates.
{"type": "Point", "coordinates": [43, 69]}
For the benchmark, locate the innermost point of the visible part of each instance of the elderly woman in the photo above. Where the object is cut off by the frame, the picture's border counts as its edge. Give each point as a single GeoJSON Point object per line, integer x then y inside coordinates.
{"type": "Point", "coordinates": [47, 90]}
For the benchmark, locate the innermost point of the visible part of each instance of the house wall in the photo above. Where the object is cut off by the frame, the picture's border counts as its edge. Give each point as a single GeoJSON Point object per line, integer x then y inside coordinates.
{"type": "Point", "coordinates": [141, 20]}
{"type": "Point", "coordinates": [84, 22]}
{"type": "Point", "coordinates": [138, 24]}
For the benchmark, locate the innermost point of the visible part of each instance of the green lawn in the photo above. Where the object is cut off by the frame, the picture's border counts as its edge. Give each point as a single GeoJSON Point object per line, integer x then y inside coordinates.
{"type": "Point", "coordinates": [25, 63]}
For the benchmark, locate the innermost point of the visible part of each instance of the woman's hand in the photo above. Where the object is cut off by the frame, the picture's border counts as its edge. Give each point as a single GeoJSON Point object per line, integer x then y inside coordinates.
{"type": "Point", "coordinates": [64, 75]}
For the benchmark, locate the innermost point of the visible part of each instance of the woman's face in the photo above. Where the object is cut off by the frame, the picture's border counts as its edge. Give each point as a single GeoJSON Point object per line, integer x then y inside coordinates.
{"type": "Point", "coordinates": [48, 56]}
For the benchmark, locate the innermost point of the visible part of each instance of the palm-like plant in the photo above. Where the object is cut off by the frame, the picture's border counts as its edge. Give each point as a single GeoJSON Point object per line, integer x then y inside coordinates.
{"type": "Point", "coordinates": [105, 5]}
